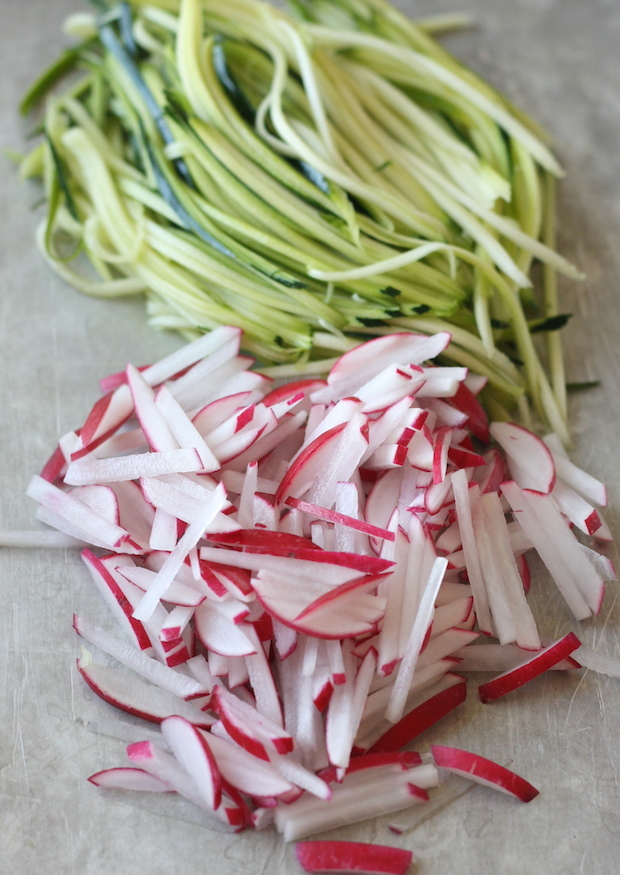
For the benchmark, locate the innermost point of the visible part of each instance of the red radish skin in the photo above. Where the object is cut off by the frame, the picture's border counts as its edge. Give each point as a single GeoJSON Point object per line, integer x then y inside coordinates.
{"type": "Point", "coordinates": [491, 477]}
{"type": "Point", "coordinates": [108, 414]}
{"type": "Point", "coordinates": [477, 421]}
{"type": "Point", "coordinates": [484, 771]}
{"type": "Point", "coordinates": [527, 671]}
{"type": "Point", "coordinates": [339, 592]}
{"type": "Point", "coordinates": [222, 578]}
{"type": "Point", "coordinates": [261, 541]}
{"type": "Point", "coordinates": [421, 718]}
{"type": "Point", "coordinates": [541, 520]}
{"type": "Point", "coordinates": [462, 458]}
{"type": "Point", "coordinates": [114, 595]}
{"type": "Point", "coordinates": [524, 572]}
{"type": "Point", "coordinates": [358, 857]}
{"type": "Point", "coordinates": [587, 486]}
{"type": "Point", "coordinates": [304, 388]}
{"type": "Point", "coordinates": [127, 693]}
{"type": "Point", "coordinates": [333, 516]}
{"type": "Point", "coordinates": [403, 759]}
{"type": "Point", "coordinates": [311, 558]}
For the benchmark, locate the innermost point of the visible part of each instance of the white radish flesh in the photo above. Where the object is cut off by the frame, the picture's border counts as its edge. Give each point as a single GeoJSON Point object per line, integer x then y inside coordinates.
{"type": "Point", "coordinates": [308, 565]}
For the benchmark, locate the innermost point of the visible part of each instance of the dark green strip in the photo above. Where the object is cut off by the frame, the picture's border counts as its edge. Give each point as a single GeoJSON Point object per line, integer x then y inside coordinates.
{"type": "Point", "coordinates": [46, 81]}
{"type": "Point", "coordinates": [110, 41]}
{"type": "Point", "coordinates": [62, 180]}
{"type": "Point", "coordinates": [227, 81]}
{"type": "Point", "coordinates": [552, 323]}
{"type": "Point", "coordinates": [126, 29]}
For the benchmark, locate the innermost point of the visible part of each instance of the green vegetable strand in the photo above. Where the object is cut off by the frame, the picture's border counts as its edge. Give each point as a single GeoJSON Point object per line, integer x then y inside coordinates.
{"type": "Point", "coordinates": [314, 178]}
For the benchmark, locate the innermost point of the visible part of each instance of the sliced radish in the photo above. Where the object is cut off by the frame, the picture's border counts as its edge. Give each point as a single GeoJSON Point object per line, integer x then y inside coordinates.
{"type": "Point", "coordinates": [251, 730]}
{"type": "Point", "coordinates": [162, 765]}
{"type": "Point", "coordinates": [218, 632]}
{"type": "Point", "coordinates": [131, 467]}
{"type": "Point", "coordinates": [188, 355]}
{"type": "Point", "coordinates": [307, 564]}
{"type": "Point", "coordinates": [465, 400]}
{"type": "Point", "coordinates": [348, 804]}
{"type": "Point", "coordinates": [302, 473]}
{"type": "Point", "coordinates": [166, 678]}
{"type": "Point", "coordinates": [582, 482]}
{"type": "Point", "coordinates": [578, 580]}
{"type": "Point", "coordinates": [529, 460]}
{"type": "Point", "coordinates": [577, 509]}
{"type": "Point", "coordinates": [245, 772]}
{"type": "Point", "coordinates": [116, 600]}
{"type": "Point", "coordinates": [178, 592]}
{"type": "Point", "coordinates": [467, 503]}
{"type": "Point", "coordinates": [399, 759]}
{"type": "Point", "coordinates": [530, 669]}
{"type": "Point", "coordinates": [354, 368]}
{"type": "Point", "coordinates": [448, 695]}
{"type": "Point", "coordinates": [416, 637]}
{"type": "Point", "coordinates": [294, 390]}
{"type": "Point", "coordinates": [263, 541]}
{"type": "Point", "coordinates": [483, 771]}
{"type": "Point", "coordinates": [127, 778]}
{"type": "Point", "coordinates": [107, 415]}
{"type": "Point", "coordinates": [190, 748]}
{"type": "Point", "coordinates": [340, 856]}
{"type": "Point", "coordinates": [79, 515]}
{"type": "Point", "coordinates": [340, 519]}
{"type": "Point", "coordinates": [129, 693]}
{"type": "Point", "coordinates": [189, 539]}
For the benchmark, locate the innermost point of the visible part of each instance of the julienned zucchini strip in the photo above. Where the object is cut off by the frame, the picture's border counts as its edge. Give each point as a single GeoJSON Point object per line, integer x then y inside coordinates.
{"type": "Point", "coordinates": [313, 179]}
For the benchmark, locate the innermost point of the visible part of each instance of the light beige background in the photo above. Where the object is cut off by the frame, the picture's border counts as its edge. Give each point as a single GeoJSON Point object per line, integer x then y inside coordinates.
{"type": "Point", "coordinates": [559, 59]}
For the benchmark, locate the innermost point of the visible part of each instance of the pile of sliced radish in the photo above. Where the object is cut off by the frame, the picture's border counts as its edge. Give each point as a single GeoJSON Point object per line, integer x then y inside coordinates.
{"type": "Point", "coordinates": [299, 572]}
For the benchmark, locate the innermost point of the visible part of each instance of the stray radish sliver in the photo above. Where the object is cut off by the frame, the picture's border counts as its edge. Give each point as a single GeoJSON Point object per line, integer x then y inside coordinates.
{"type": "Point", "coordinates": [130, 693]}
{"type": "Point", "coordinates": [530, 669]}
{"type": "Point", "coordinates": [128, 778]}
{"type": "Point", "coordinates": [359, 857]}
{"type": "Point", "coordinates": [300, 570]}
{"type": "Point", "coordinates": [483, 771]}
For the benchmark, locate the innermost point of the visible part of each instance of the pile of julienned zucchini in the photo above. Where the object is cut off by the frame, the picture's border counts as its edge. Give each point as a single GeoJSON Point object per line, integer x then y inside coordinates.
{"type": "Point", "coordinates": [313, 179]}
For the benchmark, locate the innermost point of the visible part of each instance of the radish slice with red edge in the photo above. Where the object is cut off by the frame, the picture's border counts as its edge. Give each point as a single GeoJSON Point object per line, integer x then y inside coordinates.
{"type": "Point", "coordinates": [423, 716]}
{"type": "Point", "coordinates": [530, 669]}
{"type": "Point", "coordinates": [127, 692]}
{"type": "Point", "coordinates": [357, 857]}
{"type": "Point", "coordinates": [191, 749]}
{"type": "Point", "coordinates": [483, 771]}
{"type": "Point", "coordinates": [128, 778]}
{"type": "Point", "coordinates": [529, 459]}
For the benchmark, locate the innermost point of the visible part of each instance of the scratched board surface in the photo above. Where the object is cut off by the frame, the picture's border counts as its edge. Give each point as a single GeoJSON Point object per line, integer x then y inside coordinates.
{"type": "Point", "coordinates": [556, 58]}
